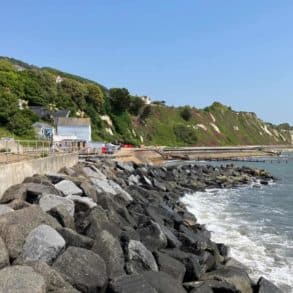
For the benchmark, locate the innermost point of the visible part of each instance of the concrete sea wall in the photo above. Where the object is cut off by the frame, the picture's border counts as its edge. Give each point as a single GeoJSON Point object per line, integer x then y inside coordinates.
{"type": "Point", "coordinates": [15, 173]}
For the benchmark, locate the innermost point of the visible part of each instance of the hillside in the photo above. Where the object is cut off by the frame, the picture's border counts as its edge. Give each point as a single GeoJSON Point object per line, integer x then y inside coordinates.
{"type": "Point", "coordinates": [118, 116]}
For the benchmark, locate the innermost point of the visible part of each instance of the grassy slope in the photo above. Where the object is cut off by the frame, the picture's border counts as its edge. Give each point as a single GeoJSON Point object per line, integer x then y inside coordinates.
{"type": "Point", "coordinates": [235, 128]}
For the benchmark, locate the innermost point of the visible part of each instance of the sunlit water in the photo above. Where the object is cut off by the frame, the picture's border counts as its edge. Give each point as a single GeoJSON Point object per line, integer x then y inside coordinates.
{"type": "Point", "coordinates": [256, 222]}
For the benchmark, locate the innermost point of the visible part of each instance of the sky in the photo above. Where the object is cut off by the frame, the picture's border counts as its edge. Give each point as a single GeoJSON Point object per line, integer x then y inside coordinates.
{"type": "Point", "coordinates": [237, 52]}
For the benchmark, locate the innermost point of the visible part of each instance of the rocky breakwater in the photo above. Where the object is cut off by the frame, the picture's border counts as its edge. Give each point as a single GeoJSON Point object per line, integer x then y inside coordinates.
{"type": "Point", "coordinates": [103, 226]}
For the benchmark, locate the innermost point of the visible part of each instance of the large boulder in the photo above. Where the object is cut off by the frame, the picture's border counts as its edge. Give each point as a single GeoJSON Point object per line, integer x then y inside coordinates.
{"type": "Point", "coordinates": [131, 284]}
{"type": "Point", "coordinates": [163, 282]}
{"type": "Point", "coordinates": [191, 262]}
{"type": "Point", "coordinates": [235, 276]}
{"type": "Point", "coordinates": [61, 214]}
{"type": "Point", "coordinates": [140, 259]}
{"type": "Point", "coordinates": [83, 269]}
{"type": "Point", "coordinates": [5, 209]}
{"type": "Point", "coordinates": [28, 191]}
{"type": "Point", "coordinates": [152, 236]}
{"type": "Point", "coordinates": [54, 281]}
{"type": "Point", "coordinates": [74, 239]}
{"type": "Point", "coordinates": [202, 289]}
{"type": "Point", "coordinates": [110, 250]}
{"type": "Point", "coordinates": [170, 266]}
{"type": "Point", "coordinates": [43, 243]}
{"type": "Point", "coordinates": [82, 203]}
{"type": "Point", "coordinates": [16, 226]}
{"type": "Point", "coordinates": [19, 279]}
{"type": "Point", "coordinates": [265, 286]}
{"type": "Point", "coordinates": [67, 187]}
{"type": "Point", "coordinates": [49, 201]}
{"type": "Point", "coordinates": [4, 257]}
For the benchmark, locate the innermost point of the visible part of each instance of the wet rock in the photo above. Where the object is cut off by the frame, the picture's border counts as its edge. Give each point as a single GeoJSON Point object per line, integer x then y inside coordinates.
{"type": "Point", "coordinates": [110, 250]}
{"type": "Point", "coordinates": [171, 266]}
{"type": "Point", "coordinates": [67, 187]}
{"type": "Point", "coordinates": [43, 243]}
{"type": "Point", "coordinates": [213, 285]}
{"type": "Point", "coordinates": [72, 238]}
{"type": "Point", "coordinates": [131, 284]}
{"type": "Point", "coordinates": [54, 281]}
{"type": "Point", "coordinates": [49, 201]}
{"type": "Point", "coordinates": [232, 262]}
{"type": "Point", "coordinates": [191, 262]}
{"type": "Point", "coordinates": [16, 226]}
{"type": "Point", "coordinates": [61, 214]}
{"type": "Point", "coordinates": [17, 279]}
{"type": "Point", "coordinates": [4, 257]}
{"type": "Point", "coordinates": [163, 283]}
{"type": "Point", "coordinates": [233, 276]}
{"type": "Point", "coordinates": [265, 286]}
{"type": "Point", "coordinates": [152, 236]}
{"type": "Point", "coordinates": [172, 240]}
{"type": "Point", "coordinates": [83, 269]}
{"type": "Point", "coordinates": [140, 259]}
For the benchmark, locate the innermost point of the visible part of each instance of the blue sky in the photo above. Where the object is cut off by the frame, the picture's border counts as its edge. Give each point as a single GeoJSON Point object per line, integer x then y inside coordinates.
{"type": "Point", "coordinates": [238, 52]}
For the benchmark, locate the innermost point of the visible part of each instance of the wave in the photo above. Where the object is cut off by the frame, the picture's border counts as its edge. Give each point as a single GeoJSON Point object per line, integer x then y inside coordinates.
{"type": "Point", "coordinates": [254, 241]}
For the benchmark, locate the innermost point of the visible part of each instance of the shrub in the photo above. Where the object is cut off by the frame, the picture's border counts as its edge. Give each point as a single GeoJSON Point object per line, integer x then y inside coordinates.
{"type": "Point", "coordinates": [186, 113]}
{"type": "Point", "coordinates": [185, 134]}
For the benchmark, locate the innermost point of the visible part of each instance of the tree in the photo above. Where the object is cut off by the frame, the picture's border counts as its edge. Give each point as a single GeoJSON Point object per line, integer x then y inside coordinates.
{"type": "Point", "coordinates": [146, 112]}
{"type": "Point", "coordinates": [95, 96]}
{"type": "Point", "coordinates": [186, 113]}
{"type": "Point", "coordinates": [8, 106]}
{"type": "Point", "coordinates": [20, 124]}
{"type": "Point", "coordinates": [184, 134]}
{"type": "Point", "coordinates": [119, 99]}
{"type": "Point", "coordinates": [136, 105]}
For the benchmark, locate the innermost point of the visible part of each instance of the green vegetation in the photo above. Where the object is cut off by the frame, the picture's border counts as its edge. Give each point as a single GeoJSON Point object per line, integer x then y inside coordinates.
{"type": "Point", "coordinates": [118, 116]}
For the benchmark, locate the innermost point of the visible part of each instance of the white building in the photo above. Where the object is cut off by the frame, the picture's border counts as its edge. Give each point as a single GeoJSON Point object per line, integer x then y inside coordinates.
{"type": "Point", "coordinates": [74, 127]}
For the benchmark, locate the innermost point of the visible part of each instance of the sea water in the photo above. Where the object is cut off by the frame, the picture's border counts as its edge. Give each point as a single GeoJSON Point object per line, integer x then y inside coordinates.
{"type": "Point", "coordinates": [256, 222]}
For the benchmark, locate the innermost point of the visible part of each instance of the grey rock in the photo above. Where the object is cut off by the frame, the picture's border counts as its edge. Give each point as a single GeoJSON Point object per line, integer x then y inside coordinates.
{"type": "Point", "coordinates": [231, 275]}
{"type": "Point", "coordinates": [21, 279]}
{"type": "Point", "coordinates": [56, 177]}
{"type": "Point", "coordinates": [102, 185]}
{"type": "Point", "coordinates": [191, 262]}
{"type": "Point", "coordinates": [89, 190]}
{"type": "Point", "coordinates": [172, 240]}
{"type": "Point", "coordinates": [134, 179]}
{"type": "Point", "coordinates": [67, 187]}
{"type": "Point", "coordinates": [202, 289]}
{"type": "Point", "coordinates": [265, 286]}
{"type": "Point", "coordinates": [147, 181]}
{"type": "Point", "coordinates": [125, 196]}
{"type": "Point", "coordinates": [163, 283]}
{"type": "Point", "coordinates": [27, 191]}
{"type": "Point", "coordinates": [125, 167]}
{"type": "Point", "coordinates": [131, 284]}
{"type": "Point", "coordinates": [214, 285]}
{"type": "Point", "coordinates": [74, 239]}
{"type": "Point", "coordinates": [5, 209]}
{"type": "Point", "coordinates": [152, 236]}
{"type": "Point", "coordinates": [61, 214]}
{"type": "Point", "coordinates": [85, 201]}
{"type": "Point", "coordinates": [170, 266]}
{"type": "Point", "coordinates": [18, 204]}
{"type": "Point", "coordinates": [110, 250]}
{"type": "Point", "coordinates": [49, 201]}
{"type": "Point", "coordinates": [4, 257]}
{"type": "Point", "coordinates": [93, 173]}
{"type": "Point", "coordinates": [16, 226]}
{"type": "Point", "coordinates": [54, 281]}
{"type": "Point", "coordinates": [43, 243]}
{"type": "Point", "coordinates": [140, 259]}
{"type": "Point", "coordinates": [83, 269]}
{"type": "Point", "coordinates": [231, 262]}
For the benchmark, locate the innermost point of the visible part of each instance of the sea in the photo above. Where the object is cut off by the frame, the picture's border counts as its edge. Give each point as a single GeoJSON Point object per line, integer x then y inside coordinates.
{"type": "Point", "coordinates": [255, 221]}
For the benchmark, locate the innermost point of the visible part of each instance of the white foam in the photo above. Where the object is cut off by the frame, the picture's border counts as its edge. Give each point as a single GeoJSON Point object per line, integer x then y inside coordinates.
{"type": "Point", "coordinates": [251, 242]}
